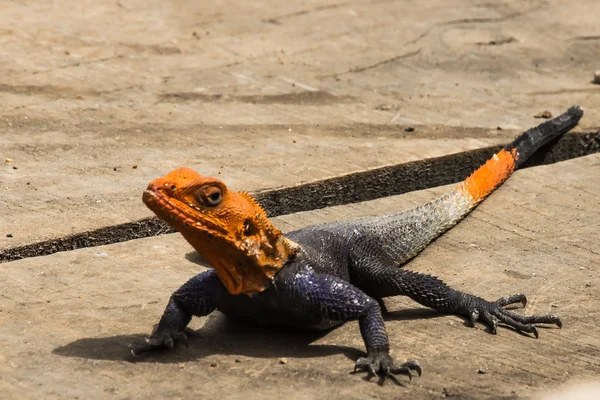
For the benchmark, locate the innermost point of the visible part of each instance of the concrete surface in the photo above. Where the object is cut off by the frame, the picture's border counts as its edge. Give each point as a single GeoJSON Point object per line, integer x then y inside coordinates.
{"type": "Point", "coordinates": [90, 89]}
{"type": "Point", "coordinates": [66, 320]}
{"type": "Point", "coordinates": [99, 97]}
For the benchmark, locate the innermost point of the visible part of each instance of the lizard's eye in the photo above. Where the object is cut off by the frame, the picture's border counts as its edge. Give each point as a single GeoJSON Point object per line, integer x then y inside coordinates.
{"type": "Point", "coordinates": [215, 197]}
{"type": "Point", "coordinates": [210, 196]}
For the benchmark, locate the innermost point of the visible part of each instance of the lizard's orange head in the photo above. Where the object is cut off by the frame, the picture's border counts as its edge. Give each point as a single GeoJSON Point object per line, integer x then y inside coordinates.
{"type": "Point", "coordinates": [228, 229]}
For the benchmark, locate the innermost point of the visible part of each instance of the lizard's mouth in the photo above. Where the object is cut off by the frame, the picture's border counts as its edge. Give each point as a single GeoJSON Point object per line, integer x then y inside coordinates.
{"type": "Point", "coordinates": [166, 209]}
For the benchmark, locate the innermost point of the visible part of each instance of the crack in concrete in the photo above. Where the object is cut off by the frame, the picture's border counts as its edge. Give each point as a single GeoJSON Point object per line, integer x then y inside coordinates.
{"type": "Point", "coordinates": [340, 190]}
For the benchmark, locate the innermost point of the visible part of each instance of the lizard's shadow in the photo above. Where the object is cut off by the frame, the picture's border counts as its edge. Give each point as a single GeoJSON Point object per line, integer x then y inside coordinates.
{"type": "Point", "coordinates": [225, 336]}
{"type": "Point", "coordinates": [219, 336]}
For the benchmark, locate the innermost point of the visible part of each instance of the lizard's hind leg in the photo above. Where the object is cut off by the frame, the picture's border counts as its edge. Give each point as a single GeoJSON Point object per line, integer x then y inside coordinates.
{"type": "Point", "coordinates": [381, 281]}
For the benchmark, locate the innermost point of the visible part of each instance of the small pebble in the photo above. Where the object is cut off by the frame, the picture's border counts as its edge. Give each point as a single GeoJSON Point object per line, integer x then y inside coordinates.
{"type": "Point", "coordinates": [213, 364]}
{"type": "Point", "coordinates": [15, 168]}
{"type": "Point", "coordinates": [9, 235]}
{"type": "Point", "coordinates": [543, 114]}
{"type": "Point", "coordinates": [409, 129]}
{"type": "Point", "coordinates": [596, 79]}
{"type": "Point", "coordinates": [8, 160]}
{"type": "Point", "coordinates": [481, 371]}
{"type": "Point", "coordinates": [134, 167]}
{"type": "Point", "coordinates": [181, 366]}
{"type": "Point", "coordinates": [283, 361]}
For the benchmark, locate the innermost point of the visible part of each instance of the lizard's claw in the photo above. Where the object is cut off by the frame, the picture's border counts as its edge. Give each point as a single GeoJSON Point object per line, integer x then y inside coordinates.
{"type": "Point", "coordinates": [160, 339]}
{"type": "Point", "coordinates": [492, 312]}
{"type": "Point", "coordinates": [380, 363]}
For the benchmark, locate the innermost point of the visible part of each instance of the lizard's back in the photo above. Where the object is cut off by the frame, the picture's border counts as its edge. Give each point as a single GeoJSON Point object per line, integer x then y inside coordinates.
{"type": "Point", "coordinates": [344, 248]}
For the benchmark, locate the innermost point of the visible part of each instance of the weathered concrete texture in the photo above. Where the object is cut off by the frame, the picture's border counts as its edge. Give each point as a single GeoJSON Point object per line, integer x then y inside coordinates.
{"type": "Point", "coordinates": [66, 320]}
{"type": "Point", "coordinates": [87, 87]}
{"type": "Point", "coordinates": [265, 62]}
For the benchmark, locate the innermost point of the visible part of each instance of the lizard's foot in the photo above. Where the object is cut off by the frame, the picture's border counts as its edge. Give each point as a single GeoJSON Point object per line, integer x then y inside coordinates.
{"type": "Point", "coordinates": [490, 312]}
{"type": "Point", "coordinates": [380, 363]}
{"type": "Point", "coordinates": [160, 339]}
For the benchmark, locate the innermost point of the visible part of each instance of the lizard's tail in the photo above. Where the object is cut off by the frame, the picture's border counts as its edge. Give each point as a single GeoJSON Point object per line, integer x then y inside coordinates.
{"type": "Point", "coordinates": [428, 221]}
{"type": "Point", "coordinates": [497, 169]}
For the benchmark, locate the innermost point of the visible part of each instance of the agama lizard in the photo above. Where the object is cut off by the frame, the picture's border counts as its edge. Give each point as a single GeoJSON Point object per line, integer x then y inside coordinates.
{"type": "Point", "coordinates": [321, 276]}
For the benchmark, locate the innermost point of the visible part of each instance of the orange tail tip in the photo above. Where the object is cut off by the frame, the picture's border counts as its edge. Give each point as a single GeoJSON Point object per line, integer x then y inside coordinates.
{"type": "Point", "coordinates": [490, 175]}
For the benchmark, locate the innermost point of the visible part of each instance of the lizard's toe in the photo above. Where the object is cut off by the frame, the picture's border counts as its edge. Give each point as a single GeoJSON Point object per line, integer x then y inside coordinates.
{"type": "Point", "coordinates": [138, 350]}
{"type": "Point", "coordinates": [159, 340]}
{"type": "Point", "coordinates": [381, 364]}
{"type": "Point", "coordinates": [493, 312]}
{"type": "Point", "coordinates": [490, 320]}
{"type": "Point", "coordinates": [367, 364]}
{"type": "Point", "coordinates": [407, 368]}
{"type": "Point", "coordinates": [513, 299]}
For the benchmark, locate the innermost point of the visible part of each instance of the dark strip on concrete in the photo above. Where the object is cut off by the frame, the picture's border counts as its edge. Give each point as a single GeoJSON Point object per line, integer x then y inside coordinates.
{"type": "Point", "coordinates": [346, 189]}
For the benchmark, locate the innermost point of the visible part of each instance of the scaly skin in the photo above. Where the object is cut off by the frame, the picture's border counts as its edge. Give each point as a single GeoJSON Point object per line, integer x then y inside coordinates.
{"type": "Point", "coordinates": [324, 275]}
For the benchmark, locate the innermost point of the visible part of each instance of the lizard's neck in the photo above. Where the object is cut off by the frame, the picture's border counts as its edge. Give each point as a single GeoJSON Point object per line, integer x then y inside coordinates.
{"type": "Point", "coordinates": [247, 256]}
{"type": "Point", "coordinates": [251, 264]}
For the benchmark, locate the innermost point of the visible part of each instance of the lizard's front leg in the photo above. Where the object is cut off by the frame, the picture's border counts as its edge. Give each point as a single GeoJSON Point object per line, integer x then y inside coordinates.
{"type": "Point", "coordinates": [195, 297]}
{"type": "Point", "coordinates": [333, 298]}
